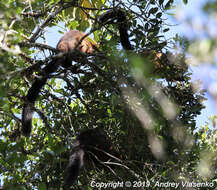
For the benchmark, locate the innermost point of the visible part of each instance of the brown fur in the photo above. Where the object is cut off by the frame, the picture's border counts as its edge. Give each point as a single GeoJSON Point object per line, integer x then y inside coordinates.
{"type": "Point", "coordinates": [70, 40]}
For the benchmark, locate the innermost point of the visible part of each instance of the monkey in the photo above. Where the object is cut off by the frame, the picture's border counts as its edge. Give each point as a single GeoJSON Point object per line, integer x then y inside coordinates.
{"type": "Point", "coordinates": [67, 43]}
{"type": "Point", "coordinates": [95, 141]}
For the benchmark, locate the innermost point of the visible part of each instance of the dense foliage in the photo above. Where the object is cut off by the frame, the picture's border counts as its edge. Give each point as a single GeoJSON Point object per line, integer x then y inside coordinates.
{"type": "Point", "coordinates": [146, 105]}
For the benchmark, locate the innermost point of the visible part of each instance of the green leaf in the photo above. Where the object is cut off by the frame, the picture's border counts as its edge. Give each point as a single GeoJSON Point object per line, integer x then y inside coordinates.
{"type": "Point", "coordinates": [169, 4]}
{"type": "Point", "coordinates": [152, 2]}
{"type": "Point", "coordinates": [42, 186]}
{"type": "Point", "coordinates": [153, 10]}
{"type": "Point", "coordinates": [166, 30]}
{"type": "Point", "coordinates": [159, 15]}
{"type": "Point", "coordinates": [147, 26]}
{"type": "Point", "coordinates": [185, 1]}
{"type": "Point", "coordinates": [161, 2]}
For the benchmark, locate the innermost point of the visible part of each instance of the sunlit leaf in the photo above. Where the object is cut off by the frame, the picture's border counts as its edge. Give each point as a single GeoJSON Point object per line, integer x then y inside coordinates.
{"type": "Point", "coordinates": [185, 1]}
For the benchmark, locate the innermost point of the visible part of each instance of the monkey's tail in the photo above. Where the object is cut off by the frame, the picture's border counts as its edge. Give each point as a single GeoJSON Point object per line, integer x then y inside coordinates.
{"type": "Point", "coordinates": [74, 166]}
{"type": "Point", "coordinates": [109, 17]}
{"type": "Point", "coordinates": [32, 95]}
{"type": "Point", "coordinates": [124, 37]}
{"type": "Point", "coordinates": [123, 28]}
